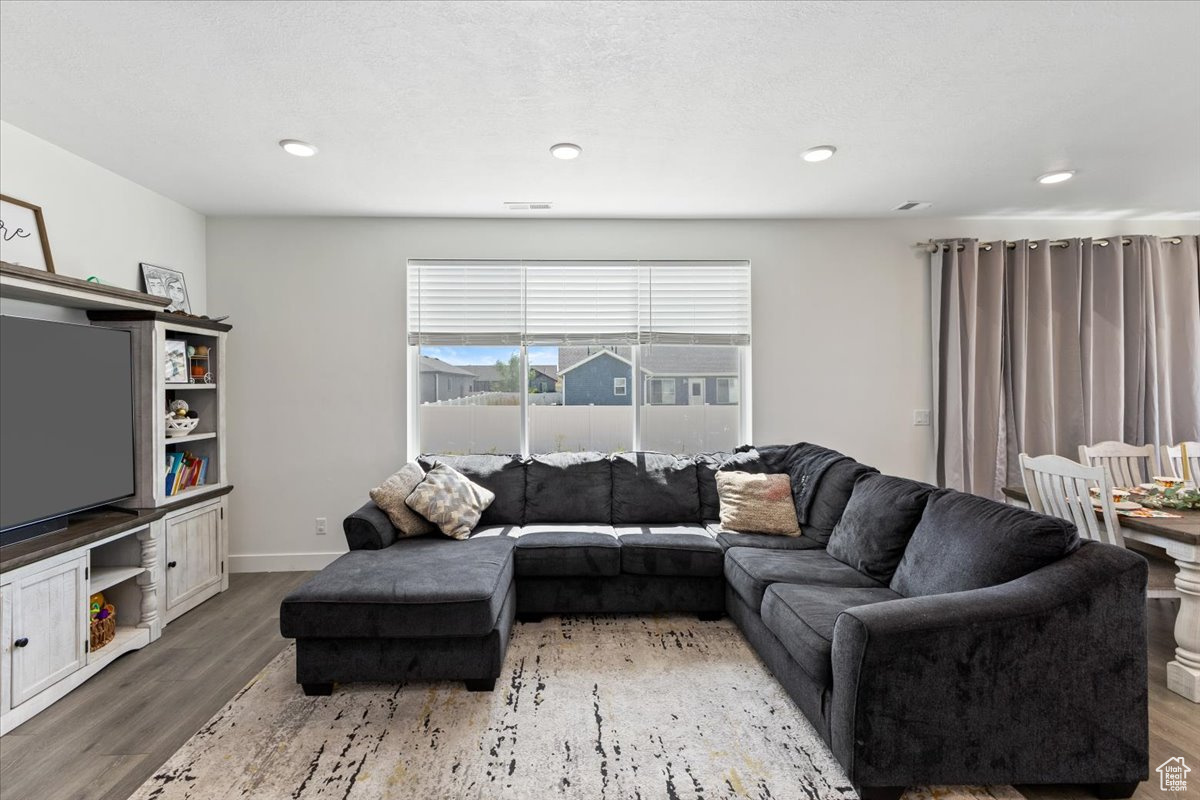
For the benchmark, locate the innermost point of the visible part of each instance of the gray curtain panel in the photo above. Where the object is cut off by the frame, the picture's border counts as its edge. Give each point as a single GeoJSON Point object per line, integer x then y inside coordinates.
{"type": "Point", "coordinates": [1040, 349]}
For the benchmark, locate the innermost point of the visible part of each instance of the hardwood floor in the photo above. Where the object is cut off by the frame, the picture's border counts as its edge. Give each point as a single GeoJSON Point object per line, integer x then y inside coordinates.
{"type": "Point", "coordinates": [105, 738]}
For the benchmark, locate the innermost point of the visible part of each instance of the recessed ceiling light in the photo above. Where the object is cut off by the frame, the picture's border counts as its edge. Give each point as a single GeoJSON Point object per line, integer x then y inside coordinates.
{"type": "Point", "coordinates": [1057, 176]}
{"type": "Point", "coordinates": [298, 148]}
{"type": "Point", "coordinates": [566, 151]}
{"type": "Point", "coordinates": [820, 153]}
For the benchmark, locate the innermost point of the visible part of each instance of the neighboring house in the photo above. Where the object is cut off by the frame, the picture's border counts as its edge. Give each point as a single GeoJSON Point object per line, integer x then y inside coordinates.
{"type": "Point", "coordinates": [442, 381]}
{"type": "Point", "coordinates": [675, 376]}
{"type": "Point", "coordinates": [543, 378]}
{"type": "Point", "coordinates": [488, 378]}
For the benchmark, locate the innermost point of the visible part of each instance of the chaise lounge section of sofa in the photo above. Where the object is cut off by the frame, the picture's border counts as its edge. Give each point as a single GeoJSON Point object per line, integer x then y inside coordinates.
{"type": "Point", "coordinates": [928, 635]}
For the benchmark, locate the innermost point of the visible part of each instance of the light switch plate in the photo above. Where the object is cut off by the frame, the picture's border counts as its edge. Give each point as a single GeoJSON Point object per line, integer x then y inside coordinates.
{"type": "Point", "coordinates": [322, 526]}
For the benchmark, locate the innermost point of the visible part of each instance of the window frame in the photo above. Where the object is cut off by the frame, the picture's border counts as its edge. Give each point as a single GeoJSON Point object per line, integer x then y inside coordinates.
{"type": "Point", "coordinates": [662, 382]}
{"type": "Point", "coordinates": [623, 385]}
{"type": "Point", "coordinates": [652, 328]}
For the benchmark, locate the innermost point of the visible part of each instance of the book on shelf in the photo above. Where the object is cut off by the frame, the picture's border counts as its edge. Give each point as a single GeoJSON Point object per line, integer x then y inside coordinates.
{"type": "Point", "coordinates": [185, 470]}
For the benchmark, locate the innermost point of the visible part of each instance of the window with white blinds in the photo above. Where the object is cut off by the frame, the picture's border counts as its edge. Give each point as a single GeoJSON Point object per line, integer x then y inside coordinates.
{"type": "Point", "coordinates": [465, 302]}
{"type": "Point", "coordinates": [574, 302]}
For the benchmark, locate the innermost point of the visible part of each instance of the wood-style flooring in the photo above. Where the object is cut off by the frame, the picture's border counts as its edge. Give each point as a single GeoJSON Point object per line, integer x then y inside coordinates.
{"type": "Point", "coordinates": [109, 735]}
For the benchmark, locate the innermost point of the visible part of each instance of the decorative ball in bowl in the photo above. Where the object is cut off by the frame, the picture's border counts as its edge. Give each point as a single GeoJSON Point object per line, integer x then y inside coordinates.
{"type": "Point", "coordinates": [181, 426]}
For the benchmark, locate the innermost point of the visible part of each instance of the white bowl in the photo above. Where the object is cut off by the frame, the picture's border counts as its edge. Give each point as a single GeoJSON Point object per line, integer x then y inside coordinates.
{"type": "Point", "coordinates": [181, 426]}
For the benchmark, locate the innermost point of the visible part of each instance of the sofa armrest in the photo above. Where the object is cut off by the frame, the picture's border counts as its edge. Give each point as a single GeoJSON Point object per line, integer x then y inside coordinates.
{"type": "Point", "coordinates": [369, 528]}
{"type": "Point", "coordinates": [1039, 680]}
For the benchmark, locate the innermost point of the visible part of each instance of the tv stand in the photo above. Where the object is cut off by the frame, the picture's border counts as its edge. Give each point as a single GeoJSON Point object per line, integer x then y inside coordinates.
{"type": "Point", "coordinates": [45, 583]}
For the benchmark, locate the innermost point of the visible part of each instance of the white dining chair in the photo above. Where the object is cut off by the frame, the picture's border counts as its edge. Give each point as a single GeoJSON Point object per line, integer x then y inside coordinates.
{"type": "Point", "coordinates": [1173, 460]}
{"type": "Point", "coordinates": [1125, 465]}
{"type": "Point", "coordinates": [1060, 487]}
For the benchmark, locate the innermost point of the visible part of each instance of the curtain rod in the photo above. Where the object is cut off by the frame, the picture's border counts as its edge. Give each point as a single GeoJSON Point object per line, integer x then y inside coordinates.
{"type": "Point", "coordinates": [932, 246]}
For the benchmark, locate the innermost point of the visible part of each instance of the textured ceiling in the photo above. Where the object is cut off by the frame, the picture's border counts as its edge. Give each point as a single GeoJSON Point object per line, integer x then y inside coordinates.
{"type": "Point", "coordinates": [684, 109]}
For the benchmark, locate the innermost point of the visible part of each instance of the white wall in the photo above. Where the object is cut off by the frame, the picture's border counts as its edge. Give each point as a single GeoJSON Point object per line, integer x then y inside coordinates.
{"type": "Point", "coordinates": [317, 392]}
{"type": "Point", "coordinates": [98, 222]}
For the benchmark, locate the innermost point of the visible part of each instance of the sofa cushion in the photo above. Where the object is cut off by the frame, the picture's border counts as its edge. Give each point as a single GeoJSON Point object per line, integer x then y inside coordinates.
{"type": "Point", "coordinates": [414, 588]}
{"type": "Point", "coordinates": [568, 487]}
{"type": "Point", "coordinates": [753, 503]}
{"type": "Point", "coordinates": [802, 619]}
{"type": "Point", "coordinates": [968, 542]}
{"type": "Point", "coordinates": [750, 570]}
{"type": "Point", "coordinates": [390, 495]}
{"type": "Point", "coordinates": [670, 550]}
{"type": "Point", "coordinates": [567, 550]}
{"type": "Point", "coordinates": [728, 539]}
{"type": "Point", "coordinates": [707, 465]}
{"type": "Point", "coordinates": [503, 476]}
{"type": "Point", "coordinates": [654, 488]}
{"type": "Point", "coordinates": [450, 500]}
{"type": "Point", "coordinates": [878, 521]}
{"type": "Point", "coordinates": [831, 497]}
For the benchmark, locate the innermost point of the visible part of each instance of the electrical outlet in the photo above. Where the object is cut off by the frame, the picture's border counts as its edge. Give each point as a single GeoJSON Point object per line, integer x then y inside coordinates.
{"type": "Point", "coordinates": [322, 527]}
{"type": "Point", "coordinates": [921, 416]}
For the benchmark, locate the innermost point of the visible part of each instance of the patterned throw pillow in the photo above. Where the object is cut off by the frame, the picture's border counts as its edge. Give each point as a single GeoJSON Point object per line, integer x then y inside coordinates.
{"type": "Point", "coordinates": [450, 500]}
{"type": "Point", "coordinates": [757, 503]}
{"type": "Point", "coordinates": [390, 496]}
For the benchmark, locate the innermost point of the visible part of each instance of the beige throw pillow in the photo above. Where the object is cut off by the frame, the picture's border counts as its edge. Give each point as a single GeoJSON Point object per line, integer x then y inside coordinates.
{"type": "Point", "coordinates": [756, 503]}
{"type": "Point", "coordinates": [450, 500]}
{"type": "Point", "coordinates": [391, 494]}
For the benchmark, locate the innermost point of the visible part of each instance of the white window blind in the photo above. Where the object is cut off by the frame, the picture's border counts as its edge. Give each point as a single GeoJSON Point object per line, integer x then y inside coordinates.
{"type": "Point", "coordinates": [465, 302]}
{"type": "Point", "coordinates": [581, 302]}
{"type": "Point", "coordinates": [564, 302]}
{"type": "Point", "coordinates": [705, 302]}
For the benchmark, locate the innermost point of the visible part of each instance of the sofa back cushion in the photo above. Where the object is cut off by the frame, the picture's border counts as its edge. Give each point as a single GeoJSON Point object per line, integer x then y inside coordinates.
{"type": "Point", "coordinates": [503, 476]}
{"type": "Point", "coordinates": [878, 521]}
{"type": "Point", "coordinates": [967, 542]}
{"type": "Point", "coordinates": [568, 487]}
{"type": "Point", "coordinates": [654, 488]}
{"type": "Point", "coordinates": [822, 480]}
{"type": "Point", "coordinates": [707, 465]}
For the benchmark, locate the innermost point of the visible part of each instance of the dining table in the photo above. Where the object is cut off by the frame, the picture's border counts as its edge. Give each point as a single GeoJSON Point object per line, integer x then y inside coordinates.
{"type": "Point", "coordinates": [1179, 536]}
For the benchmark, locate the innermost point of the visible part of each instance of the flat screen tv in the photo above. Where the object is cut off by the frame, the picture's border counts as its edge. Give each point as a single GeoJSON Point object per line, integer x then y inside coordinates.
{"type": "Point", "coordinates": [66, 422]}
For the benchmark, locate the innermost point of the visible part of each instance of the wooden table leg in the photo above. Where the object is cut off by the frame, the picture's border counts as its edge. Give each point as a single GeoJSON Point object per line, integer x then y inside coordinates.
{"type": "Point", "coordinates": [1183, 674]}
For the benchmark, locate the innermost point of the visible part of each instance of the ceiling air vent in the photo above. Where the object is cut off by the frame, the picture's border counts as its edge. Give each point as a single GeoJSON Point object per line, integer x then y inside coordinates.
{"type": "Point", "coordinates": [528, 206]}
{"type": "Point", "coordinates": [912, 205]}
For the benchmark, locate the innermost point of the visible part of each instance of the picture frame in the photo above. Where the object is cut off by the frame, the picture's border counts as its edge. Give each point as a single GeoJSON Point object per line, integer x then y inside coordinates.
{"type": "Point", "coordinates": [169, 283]}
{"type": "Point", "coordinates": [175, 366]}
{"type": "Point", "coordinates": [19, 221]}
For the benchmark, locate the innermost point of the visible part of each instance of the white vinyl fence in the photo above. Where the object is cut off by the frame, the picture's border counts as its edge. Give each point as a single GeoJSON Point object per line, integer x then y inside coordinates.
{"type": "Point", "coordinates": [501, 399]}
{"type": "Point", "coordinates": [448, 427]}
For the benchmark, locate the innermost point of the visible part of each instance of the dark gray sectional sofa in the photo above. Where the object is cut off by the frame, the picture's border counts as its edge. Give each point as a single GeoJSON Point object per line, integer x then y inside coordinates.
{"type": "Point", "coordinates": [930, 636]}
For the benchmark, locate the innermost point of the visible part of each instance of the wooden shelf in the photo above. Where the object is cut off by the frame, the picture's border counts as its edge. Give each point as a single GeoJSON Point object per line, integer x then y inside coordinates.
{"type": "Point", "coordinates": [38, 286]}
{"type": "Point", "coordinates": [191, 437]}
{"type": "Point", "coordinates": [181, 495]}
{"type": "Point", "coordinates": [176, 320]}
{"type": "Point", "coordinates": [105, 577]}
{"type": "Point", "coordinates": [171, 387]}
{"type": "Point", "coordinates": [127, 638]}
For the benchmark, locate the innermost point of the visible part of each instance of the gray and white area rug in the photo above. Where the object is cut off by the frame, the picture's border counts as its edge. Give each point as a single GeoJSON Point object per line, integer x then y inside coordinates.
{"type": "Point", "coordinates": [588, 707]}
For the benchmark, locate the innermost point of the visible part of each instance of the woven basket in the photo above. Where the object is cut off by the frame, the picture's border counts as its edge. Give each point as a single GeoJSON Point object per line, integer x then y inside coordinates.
{"type": "Point", "coordinates": [103, 630]}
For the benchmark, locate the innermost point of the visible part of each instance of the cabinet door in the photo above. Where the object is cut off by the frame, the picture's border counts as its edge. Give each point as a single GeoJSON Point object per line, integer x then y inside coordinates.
{"type": "Point", "coordinates": [48, 628]}
{"type": "Point", "coordinates": [193, 554]}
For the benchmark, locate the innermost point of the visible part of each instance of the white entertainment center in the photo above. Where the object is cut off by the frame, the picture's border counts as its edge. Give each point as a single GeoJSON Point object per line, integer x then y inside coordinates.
{"type": "Point", "coordinates": [155, 555]}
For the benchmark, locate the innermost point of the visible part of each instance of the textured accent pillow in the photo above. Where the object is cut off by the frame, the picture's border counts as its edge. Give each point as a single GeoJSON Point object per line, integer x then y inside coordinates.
{"type": "Point", "coordinates": [503, 476]}
{"type": "Point", "coordinates": [390, 496]}
{"type": "Point", "coordinates": [757, 503]}
{"type": "Point", "coordinates": [449, 499]}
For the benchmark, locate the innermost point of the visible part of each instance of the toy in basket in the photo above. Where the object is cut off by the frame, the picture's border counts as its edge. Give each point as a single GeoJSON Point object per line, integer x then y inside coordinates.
{"type": "Point", "coordinates": [103, 621]}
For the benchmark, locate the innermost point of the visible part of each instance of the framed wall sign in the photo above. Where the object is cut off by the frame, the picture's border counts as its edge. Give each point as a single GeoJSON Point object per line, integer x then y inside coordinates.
{"type": "Point", "coordinates": [23, 238]}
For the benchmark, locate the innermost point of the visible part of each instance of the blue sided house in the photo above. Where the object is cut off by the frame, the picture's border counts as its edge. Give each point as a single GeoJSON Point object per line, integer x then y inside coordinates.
{"type": "Point", "coordinates": [673, 375]}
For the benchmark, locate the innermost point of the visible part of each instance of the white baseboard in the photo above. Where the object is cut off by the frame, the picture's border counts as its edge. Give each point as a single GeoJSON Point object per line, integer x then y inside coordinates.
{"type": "Point", "coordinates": [280, 562]}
